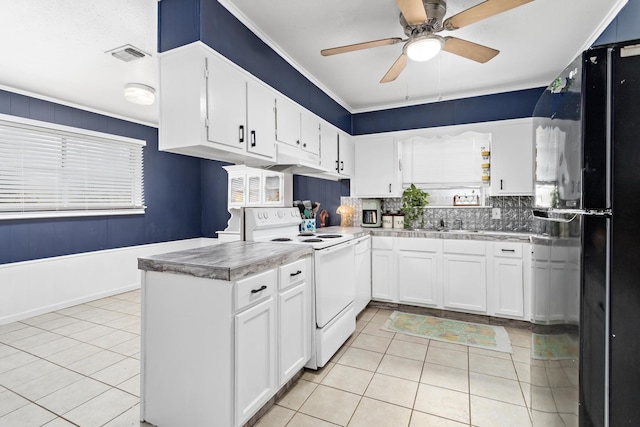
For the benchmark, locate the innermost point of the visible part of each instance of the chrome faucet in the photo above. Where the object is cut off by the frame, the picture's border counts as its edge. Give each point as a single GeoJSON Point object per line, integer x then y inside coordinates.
{"type": "Point", "coordinates": [458, 224]}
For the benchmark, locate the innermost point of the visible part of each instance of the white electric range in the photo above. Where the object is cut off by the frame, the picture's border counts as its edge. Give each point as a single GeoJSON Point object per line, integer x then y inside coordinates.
{"type": "Point", "coordinates": [333, 284]}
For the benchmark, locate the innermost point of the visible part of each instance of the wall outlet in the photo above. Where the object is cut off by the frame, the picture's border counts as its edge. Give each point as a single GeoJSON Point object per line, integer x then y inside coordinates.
{"type": "Point", "coordinates": [495, 213]}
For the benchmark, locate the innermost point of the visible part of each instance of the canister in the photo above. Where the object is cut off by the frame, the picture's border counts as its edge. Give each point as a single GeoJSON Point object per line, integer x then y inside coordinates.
{"type": "Point", "coordinates": [398, 221]}
{"type": "Point", "coordinates": [387, 220]}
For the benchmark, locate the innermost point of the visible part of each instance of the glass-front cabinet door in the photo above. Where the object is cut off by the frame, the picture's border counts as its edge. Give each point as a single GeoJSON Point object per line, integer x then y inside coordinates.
{"type": "Point", "coordinates": [272, 188]}
{"type": "Point", "coordinates": [237, 194]}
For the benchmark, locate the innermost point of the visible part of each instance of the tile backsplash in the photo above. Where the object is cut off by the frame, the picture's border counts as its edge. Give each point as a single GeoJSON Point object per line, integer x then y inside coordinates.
{"type": "Point", "coordinates": [515, 214]}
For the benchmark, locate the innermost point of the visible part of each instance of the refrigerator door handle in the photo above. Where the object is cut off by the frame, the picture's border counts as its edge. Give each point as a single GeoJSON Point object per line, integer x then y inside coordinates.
{"type": "Point", "coordinates": [553, 215]}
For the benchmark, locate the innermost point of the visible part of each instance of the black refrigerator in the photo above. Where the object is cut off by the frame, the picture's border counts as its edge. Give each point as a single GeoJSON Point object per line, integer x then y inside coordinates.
{"type": "Point", "coordinates": [586, 263]}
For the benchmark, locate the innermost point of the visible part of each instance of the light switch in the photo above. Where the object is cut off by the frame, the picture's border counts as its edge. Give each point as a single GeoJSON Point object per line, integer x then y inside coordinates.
{"type": "Point", "coordinates": [495, 213]}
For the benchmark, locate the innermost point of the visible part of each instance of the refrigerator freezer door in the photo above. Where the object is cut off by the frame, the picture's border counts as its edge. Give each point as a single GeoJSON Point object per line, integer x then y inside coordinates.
{"type": "Point", "coordinates": [625, 266]}
{"type": "Point", "coordinates": [596, 111]}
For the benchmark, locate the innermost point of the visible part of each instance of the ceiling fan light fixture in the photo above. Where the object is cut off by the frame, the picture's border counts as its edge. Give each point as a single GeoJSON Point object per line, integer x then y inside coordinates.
{"type": "Point", "coordinates": [140, 94]}
{"type": "Point", "coordinates": [423, 48]}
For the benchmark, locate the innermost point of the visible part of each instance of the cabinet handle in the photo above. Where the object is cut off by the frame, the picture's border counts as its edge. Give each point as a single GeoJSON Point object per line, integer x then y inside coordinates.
{"type": "Point", "coordinates": [298, 142]}
{"type": "Point", "coordinates": [508, 250]}
{"type": "Point", "coordinates": [296, 273]}
{"type": "Point", "coordinates": [341, 165]}
{"type": "Point", "coordinates": [337, 168]}
{"type": "Point", "coordinates": [389, 188]}
{"type": "Point", "coordinates": [304, 145]}
{"type": "Point", "coordinates": [253, 138]}
{"type": "Point", "coordinates": [241, 133]}
{"type": "Point", "coordinates": [260, 289]}
{"type": "Point", "coordinates": [501, 184]}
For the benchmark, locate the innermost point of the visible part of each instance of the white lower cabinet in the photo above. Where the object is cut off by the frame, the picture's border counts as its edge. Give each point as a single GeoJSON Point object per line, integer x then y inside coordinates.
{"type": "Point", "coordinates": [255, 358]}
{"type": "Point", "coordinates": [508, 279]}
{"type": "Point", "coordinates": [363, 273]}
{"type": "Point", "coordinates": [473, 276]}
{"type": "Point", "coordinates": [383, 269]}
{"type": "Point", "coordinates": [214, 352]}
{"type": "Point", "coordinates": [465, 275]}
{"type": "Point", "coordinates": [293, 320]}
{"type": "Point", "coordinates": [418, 271]}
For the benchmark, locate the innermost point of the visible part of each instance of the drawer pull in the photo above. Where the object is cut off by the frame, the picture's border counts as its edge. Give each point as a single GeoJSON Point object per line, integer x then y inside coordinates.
{"type": "Point", "coordinates": [508, 250]}
{"type": "Point", "coordinates": [260, 289]}
{"type": "Point", "coordinates": [296, 273]}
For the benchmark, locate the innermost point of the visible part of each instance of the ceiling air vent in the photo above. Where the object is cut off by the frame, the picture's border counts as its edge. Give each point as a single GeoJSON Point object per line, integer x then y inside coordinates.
{"type": "Point", "coordinates": [127, 53]}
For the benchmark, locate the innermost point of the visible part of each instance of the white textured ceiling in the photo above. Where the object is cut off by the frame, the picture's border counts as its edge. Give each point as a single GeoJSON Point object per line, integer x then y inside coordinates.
{"type": "Point", "coordinates": [55, 49]}
{"type": "Point", "coordinates": [536, 42]}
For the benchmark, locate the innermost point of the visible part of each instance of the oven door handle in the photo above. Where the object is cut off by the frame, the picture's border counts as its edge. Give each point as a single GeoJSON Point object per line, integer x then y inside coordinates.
{"type": "Point", "coordinates": [337, 247]}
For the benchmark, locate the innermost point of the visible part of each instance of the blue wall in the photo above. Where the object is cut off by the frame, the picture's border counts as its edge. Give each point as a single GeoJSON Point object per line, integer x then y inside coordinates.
{"type": "Point", "coordinates": [172, 193]}
{"type": "Point", "coordinates": [624, 27]}
{"type": "Point", "coordinates": [321, 190]}
{"type": "Point", "coordinates": [501, 106]}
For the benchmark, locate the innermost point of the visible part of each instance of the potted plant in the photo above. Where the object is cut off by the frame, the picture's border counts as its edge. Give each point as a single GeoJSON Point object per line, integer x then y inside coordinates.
{"type": "Point", "coordinates": [413, 202]}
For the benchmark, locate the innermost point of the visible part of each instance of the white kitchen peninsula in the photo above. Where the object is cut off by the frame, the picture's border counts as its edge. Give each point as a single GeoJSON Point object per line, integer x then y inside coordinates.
{"type": "Point", "coordinates": [224, 327]}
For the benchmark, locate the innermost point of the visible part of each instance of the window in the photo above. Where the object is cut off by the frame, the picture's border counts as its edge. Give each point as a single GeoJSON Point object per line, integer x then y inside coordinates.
{"type": "Point", "coordinates": [47, 170]}
{"type": "Point", "coordinates": [443, 161]}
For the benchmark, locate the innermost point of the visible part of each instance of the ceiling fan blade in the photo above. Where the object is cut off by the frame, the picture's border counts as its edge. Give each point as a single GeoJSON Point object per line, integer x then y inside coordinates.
{"type": "Point", "coordinates": [481, 11]}
{"type": "Point", "coordinates": [466, 49]}
{"type": "Point", "coordinates": [360, 46]}
{"type": "Point", "coordinates": [413, 11]}
{"type": "Point", "coordinates": [395, 69]}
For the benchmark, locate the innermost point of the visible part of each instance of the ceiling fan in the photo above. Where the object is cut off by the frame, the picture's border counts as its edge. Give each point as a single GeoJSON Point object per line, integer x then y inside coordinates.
{"type": "Point", "coordinates": [421, 19]}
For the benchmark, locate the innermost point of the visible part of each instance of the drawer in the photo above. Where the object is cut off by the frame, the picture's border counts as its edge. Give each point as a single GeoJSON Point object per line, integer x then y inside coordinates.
{"type": "Point", "coordinates": [418, 244]}
{"type": "Point", "coordinates": [255, 288]}
{"type": "Point", "coordinates": [467, 247]}
{"type": "Point", "coordinates": [507, 250]}
{"type": "Point", "coordinates": [382, 242]}
{"type": "Point", "coordinates": [294, 273]}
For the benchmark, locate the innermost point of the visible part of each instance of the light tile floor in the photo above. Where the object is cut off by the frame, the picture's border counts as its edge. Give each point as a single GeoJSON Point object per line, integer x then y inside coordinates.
{"type": "Point", "coordinates": [80, 366]}
{"type": "Point", "coordinates": [380, 378]}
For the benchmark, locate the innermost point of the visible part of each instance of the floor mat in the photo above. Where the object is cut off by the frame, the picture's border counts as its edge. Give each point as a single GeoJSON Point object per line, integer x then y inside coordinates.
{"type": "Point", "coordinates": [554, 347]}
{"type": "Point", "coordinates": [452, 331]}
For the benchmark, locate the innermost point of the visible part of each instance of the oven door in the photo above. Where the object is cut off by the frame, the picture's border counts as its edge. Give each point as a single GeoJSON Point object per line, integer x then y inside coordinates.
{"type": "Point", "coordinates": [335, 280]}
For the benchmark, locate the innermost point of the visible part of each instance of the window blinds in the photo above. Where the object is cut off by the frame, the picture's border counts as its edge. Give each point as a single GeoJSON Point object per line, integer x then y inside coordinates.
{"type": "Point", "coordinates": [49, 170]}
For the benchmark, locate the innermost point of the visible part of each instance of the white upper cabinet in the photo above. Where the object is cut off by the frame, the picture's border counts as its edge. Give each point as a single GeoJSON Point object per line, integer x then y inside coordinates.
{"type": "Point", "coordinates": [287, 122]}
{"type": "Point", "coordinates": [296, 126]}
{"type": "Point", "coordinates": [336, 151]}
{"type": "Point", "coordinates": [260, 123]}
{"type": "Point", "coordinates": [377, 169]}
{"type": "Point", "coordinates": [512, 159]}
{"type": "Point", "coordinates": [226, 115]}
{"type": "Point", "coordinates": [329, 147]}
{"type": "Point", "coordinates": [209, 109]}
{"type": "Point", "coordinates": [346, 154]}
{"type": "Point", "coordinates": [255, 187]}
{"type": "Point", "coordinates": [309, 132]}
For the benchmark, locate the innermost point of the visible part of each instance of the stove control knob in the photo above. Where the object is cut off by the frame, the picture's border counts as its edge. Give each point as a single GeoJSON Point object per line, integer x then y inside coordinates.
{"type": "Point", "coordinates": [266, 215]}
{"type": "Point", "coordinates": [280, 214]}
{"type": "Point", "coordinates": [259, 215]}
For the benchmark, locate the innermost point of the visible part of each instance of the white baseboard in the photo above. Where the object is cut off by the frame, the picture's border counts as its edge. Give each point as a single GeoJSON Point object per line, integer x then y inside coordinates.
{"type": "Point", "coordinates": [30, 288]}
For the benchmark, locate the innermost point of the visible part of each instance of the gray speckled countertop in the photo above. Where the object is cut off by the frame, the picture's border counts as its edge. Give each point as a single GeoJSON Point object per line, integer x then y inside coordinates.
{"type": "Point", "coordinates": [228, 261]}
{"type": "Point", "coordinates": [432, 234]}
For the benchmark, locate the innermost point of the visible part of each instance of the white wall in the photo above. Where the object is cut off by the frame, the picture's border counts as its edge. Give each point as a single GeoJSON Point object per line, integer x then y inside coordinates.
{"type": "Point", "coordinates": [34, 287]}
